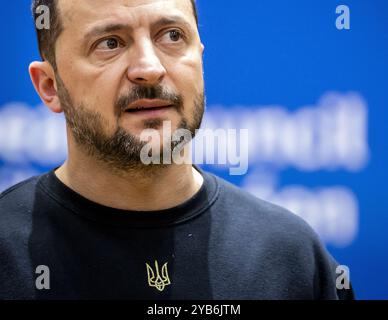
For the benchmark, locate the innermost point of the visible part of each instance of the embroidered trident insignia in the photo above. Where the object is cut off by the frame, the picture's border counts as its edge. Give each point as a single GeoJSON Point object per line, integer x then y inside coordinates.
{"type": "Point", "coordinates": [158, 279]}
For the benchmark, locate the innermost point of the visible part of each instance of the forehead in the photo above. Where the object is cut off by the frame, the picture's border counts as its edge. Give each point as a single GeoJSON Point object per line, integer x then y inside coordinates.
{"type": "Point", "coordinates": [76, 13]}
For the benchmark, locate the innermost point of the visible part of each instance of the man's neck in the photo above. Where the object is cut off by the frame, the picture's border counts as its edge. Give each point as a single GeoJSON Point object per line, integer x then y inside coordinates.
{"type": "Point", "coordinates": [169, 187]}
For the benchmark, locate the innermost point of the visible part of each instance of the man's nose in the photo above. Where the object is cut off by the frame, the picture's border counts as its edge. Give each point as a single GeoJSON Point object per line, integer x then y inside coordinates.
{"type": "Point", "coordinates": [145, 67]}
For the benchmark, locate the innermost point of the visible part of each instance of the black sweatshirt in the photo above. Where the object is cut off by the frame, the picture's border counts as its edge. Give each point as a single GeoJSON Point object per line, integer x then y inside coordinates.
{"type": "Point", "coordinates": [223, 243]}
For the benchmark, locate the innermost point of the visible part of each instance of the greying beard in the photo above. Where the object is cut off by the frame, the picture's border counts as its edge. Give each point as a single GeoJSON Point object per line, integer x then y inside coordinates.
{"type": "Point", "coordinates": [121, 151]}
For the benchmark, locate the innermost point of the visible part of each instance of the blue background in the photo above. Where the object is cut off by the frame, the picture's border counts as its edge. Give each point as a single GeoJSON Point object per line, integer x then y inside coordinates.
{"type": "Point", "coordinates": [286, 53]}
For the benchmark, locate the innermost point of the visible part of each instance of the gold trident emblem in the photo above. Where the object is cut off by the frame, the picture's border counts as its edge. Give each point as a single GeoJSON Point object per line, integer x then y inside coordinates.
{"type": "Point", "coordinates": [158, 281]}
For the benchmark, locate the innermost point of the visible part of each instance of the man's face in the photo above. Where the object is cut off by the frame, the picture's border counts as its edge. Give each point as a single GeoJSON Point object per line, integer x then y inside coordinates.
{"type": "Point", "coordinates": [116, 56]}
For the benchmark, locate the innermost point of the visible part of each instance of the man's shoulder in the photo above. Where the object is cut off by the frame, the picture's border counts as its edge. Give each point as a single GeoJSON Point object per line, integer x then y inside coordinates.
{"type": "Point", "coordinates": [19, 190]}
{"type": "Point", "coordinates": [16, 203]}
{"type": "Point", "coordinates": [257, 215]}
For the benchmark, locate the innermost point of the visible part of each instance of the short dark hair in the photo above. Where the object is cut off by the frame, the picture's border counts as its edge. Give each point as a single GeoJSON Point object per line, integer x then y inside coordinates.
{"type": "Point", "coordinates": [48, 37]}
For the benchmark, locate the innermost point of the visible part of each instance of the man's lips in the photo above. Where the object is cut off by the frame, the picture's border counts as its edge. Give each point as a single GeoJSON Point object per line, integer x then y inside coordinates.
{"type": "Point", "coordinates": [148, 105]}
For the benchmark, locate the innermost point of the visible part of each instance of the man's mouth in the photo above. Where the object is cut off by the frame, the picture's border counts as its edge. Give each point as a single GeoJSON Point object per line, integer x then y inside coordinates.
{"type": "Point", "coordinates": [137, 109]}
{"type": "Point", "coordinates": [148, 105]}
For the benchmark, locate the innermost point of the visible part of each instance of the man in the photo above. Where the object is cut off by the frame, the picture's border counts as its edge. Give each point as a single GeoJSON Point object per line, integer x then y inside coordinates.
{"type": "Point", "coordinates": [105, 224]}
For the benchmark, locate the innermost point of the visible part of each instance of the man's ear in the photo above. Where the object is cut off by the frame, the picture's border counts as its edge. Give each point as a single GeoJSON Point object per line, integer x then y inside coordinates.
{"type": "Point", "coordinates": [43, 78]}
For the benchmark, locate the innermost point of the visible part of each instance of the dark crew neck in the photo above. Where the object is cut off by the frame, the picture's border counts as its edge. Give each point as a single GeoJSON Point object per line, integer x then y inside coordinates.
{"type": "Point", "coordinates": [73, 201]}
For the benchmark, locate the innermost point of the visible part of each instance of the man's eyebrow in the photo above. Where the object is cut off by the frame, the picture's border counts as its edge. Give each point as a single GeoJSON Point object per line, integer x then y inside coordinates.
{"type": "Point", "coordinates": [106, 29]}
{"type": "Point", "coordinates": [172, 20]}
{"type": "Point", "coordinates": [121, 26]}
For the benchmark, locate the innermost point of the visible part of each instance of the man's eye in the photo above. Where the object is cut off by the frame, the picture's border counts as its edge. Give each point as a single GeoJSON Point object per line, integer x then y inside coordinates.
{"type": "Point", "coordinates": [108, 44]}
{"type": "Point", "coordinates": [172, 35]}
{"type": "Point", "coordinates": [175, 35]}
